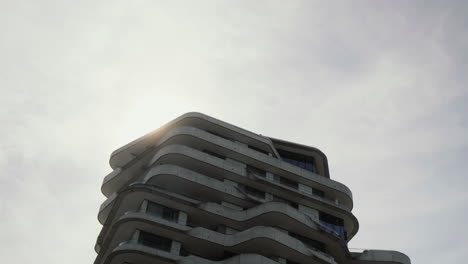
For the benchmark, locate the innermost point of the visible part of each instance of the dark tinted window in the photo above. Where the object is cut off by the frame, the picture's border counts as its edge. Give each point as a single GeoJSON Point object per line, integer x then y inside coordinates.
{"type": "Point", "coordinates": [214, 154]}
{"type": "Point", "coordinates": [318, 192]}
{"type": "Point", "coordinates": [289, 183]}
{"type": "Point", "coordinates": [290, 203]}
{"type": "Point", "coordinates": [328, 218]}
{"type": "Point", "coordinates": [257, 149]}
{"type": "Point", "coordinates": [302, 161]}
{"type": "Point", "coordinates": [254, 192]}
{"type": "Point", "coordinates": [162, 211]}
{"type": "Point", "coordinates": [155, 241]}
{"type": "Point", "coordinates": [333, 223]}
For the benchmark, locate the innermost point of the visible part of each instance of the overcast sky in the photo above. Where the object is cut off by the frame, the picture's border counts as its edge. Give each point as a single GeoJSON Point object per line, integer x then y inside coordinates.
{"type": "Point", "coordinates": [379, 86]}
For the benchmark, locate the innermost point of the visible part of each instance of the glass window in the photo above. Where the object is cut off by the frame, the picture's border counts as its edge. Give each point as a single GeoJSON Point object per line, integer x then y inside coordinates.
{"type": "Point", "coordinates": [254, 192]}
{"type": "Point", "coordinates": [154, 241]}
{"type": "Point", "coordinates": [257, 149]}
{"type": "Point", "coordinates": [289, 183]}
{"type": "Point", "coordinates": [302, 161]}
{"type": "Point", "coordinates": [162, 211]}
{"type": "Point", "coordinates": [184, 252]}
{"type": "Point", "coordinates": [318, 192]}
{"type": "Point", "coordinates": [333, 223]}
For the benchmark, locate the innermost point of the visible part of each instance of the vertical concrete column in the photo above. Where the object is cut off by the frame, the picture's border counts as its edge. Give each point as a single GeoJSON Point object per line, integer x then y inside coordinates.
{"type": "Point", "coordinates": [144, 206]}
{"type": "Point", "coordinates": [135, 235]}
{"type": "Point", "coordinates": [305, 189]}
{"type": "Point", "coordinates": [268, 197]}
{"type": "Point", "coordinates": [175, 247]}
{"type": "Point", "coordinates": [182, 218]}
{"type": "Point", "coordinates": [270, 176]}
{"type": "Point", "coordinates": [314, 214]}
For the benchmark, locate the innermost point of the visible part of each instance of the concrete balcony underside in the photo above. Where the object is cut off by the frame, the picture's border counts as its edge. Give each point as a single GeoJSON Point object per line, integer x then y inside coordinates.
{"type": "Point", "coordinates": [133, 252]}
{"type": "Point", "coordinates": [195, 137]}
{"type": "Point", "coordinates": [380, 257]}
{"type": "Point", "coordinates": [192, 158]}
{"type": "Point", "coordinates": [266, 241]}
{"type": "Point", "coordinates": [268, 214]}
{"type": "Point", "coordinates": [244, 154]}
{"type": "Point", "coordinates": [263, 240]}
{"type": "Point", "coordinates": [124, 154]}
{"type": "Point", "coordinates": [189, 183]}
{"type": "Point", "coordinates": [162, 176]}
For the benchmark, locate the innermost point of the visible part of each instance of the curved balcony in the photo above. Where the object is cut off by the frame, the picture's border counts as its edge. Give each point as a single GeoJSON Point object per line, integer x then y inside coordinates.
{"type": "Point", "coordinates": [133, 252]}
{"type": "Point", "coordinates": [266, 239]}
{"type": "Point", "coordinates": [189, 157]}
{"type": "Point", "coordinates": [279, 215]}
{"type": "Point", "coordinates": [178, 154]}
{"type": "Point", "coordinates": [126, 153]}
{"type": "Point", "coordinates": [118, 179]}
{"type": "Point", "coordinates": [122, 156]}
{"type": "Point", "coordinates": [380, 256]}
{"type": "Point", "coordinates": [200, 138]}
{"type": "Point", "coordinates": [195, 137]}
{"type": "Point", "coordinates": [164, 172]}
{"type": "Point", "coordinates": [271, 213]}
{"type": "Point", "coordinates": [263, 240]}
{"type": "Point", "coordinates": [193, 184]}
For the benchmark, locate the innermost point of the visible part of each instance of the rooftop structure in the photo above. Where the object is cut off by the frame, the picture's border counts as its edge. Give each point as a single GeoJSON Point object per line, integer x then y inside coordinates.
{"type": "Point", "coordinates": [199, 190]}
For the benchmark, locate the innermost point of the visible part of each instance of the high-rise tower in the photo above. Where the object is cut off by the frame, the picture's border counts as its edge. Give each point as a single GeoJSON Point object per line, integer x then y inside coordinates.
{"type": "Point", "coordinates": [199, 190]}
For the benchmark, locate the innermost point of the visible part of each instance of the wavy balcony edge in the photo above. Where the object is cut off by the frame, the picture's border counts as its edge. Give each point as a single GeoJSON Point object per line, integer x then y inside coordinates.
{"type": "Point", "coordinates": [271, 162]}
{"type": "Point", "coordinates": [233, 241]}
{"type": "Point", "coordinates": [274, 208]}
{"type": "Point", "coordinates": [202, 117]}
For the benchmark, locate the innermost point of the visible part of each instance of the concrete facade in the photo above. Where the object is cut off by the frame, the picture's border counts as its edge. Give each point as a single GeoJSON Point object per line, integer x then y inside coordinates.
{"type": "Point", "coordinates": [199, 190]}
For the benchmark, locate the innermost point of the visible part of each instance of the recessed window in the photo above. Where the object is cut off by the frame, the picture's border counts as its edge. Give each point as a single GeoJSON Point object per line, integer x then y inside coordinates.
{"type": "Point", "coordinates": [312, 243]}
{"type": "Point", "coordinates": [162, 211]}
{"type": "Point", "coordinates": [253, 192]}
{"type": "Point", "coordinates": [257, 149]}
{"type": "Point", "coordinates": [302, 161]}
{"type": "Point", "coordinates": [214, 154]}
{"type": "Point", "coordinates": [318, 192]}
{"type": "Point", "coordinates": [290, 203]}
{"type": "Point", "coordinates": [255, 171]}
{"type": "Point", "coordinates": [218, 135]}
{"type": "Point", "coordinates": [184, 252]}
{"type": "Point", "coordinates": [154, 241]}
{"type": "Point", "coordinates": [333, 223]}
{"type": "Point", "coordinates": [289, 183]}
